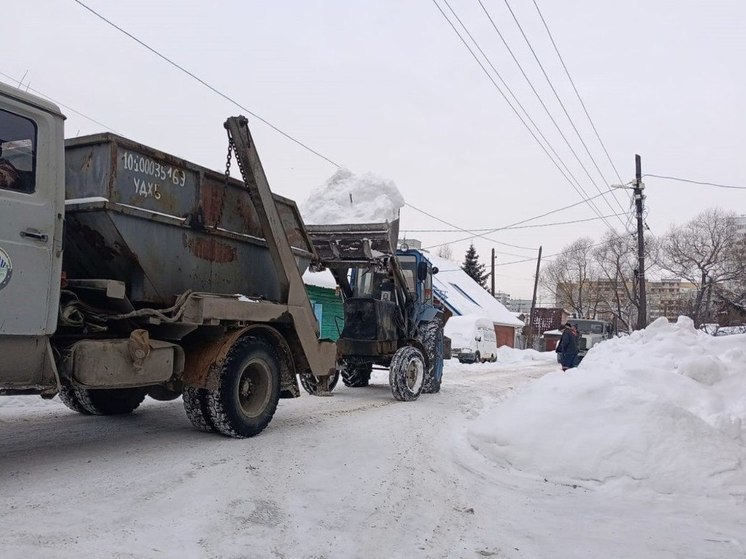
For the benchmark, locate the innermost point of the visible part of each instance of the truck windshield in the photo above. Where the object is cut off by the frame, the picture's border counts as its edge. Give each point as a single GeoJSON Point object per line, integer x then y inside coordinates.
{"type": "Point", "coordinates": [589, 326]}
{"type": "Point", "coordinates": [17, 152]}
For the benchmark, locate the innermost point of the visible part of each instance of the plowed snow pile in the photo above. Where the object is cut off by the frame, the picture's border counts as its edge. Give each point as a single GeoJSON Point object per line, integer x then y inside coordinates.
{"type": "Point", "coordinates": [663, 409]}
{"type": "Point", "coordinates": [350, 198]}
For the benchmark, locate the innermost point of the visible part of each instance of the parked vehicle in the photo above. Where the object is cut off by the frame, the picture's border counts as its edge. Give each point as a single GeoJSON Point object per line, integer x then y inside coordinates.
{"type": "Point", "coordinates": [591, 333]}
{"type": "Point", "coordinates": [391, 318]}
{"type": "Point", "coordinates": [473, 339]}
{"type": "Point", "coordinates": [119, 266]}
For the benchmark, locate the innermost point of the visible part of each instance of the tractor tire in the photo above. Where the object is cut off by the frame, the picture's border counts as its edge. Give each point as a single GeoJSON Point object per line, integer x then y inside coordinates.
{"type": "Point", "coordinates": [248, 389]}
{"type": "Point", "coordinates": [356, 376]}
{"type": "Point", "coordinates": [310, 382]}
{"type": "Point", "coordinates": [197, 410]}
{"type": "Point", "coordinates": [69, 397]}
{"type": "Point", "coordinates": [431, 336]}
{"type": "Point", "coordinates": [110, 401]}
{"type": "Point", "coordinates": [407, 373]}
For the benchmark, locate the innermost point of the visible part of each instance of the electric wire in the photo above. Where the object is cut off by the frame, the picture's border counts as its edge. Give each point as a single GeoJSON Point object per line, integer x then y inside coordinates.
{"type": "Point", "coordinates": [690, 181]}
{"type": "Point", "coordinates": [40, 94]}
{"type": "Point", "coordinates": [577, 93]}
{"type": "Point", "coordinates": [538, 225]}
{"type": "Point", "coordinates": [507, 87]}
{"type": "Point", "coordinates": [207, 85]}
{"type": "Point", "coordinates": [630, 218]}
{"type": "Point", "coordinates": [549, 113]}
{"type": "Point", "coordinates": [585, 198]}
{"type": "Point", "coordinates": [521, 222]}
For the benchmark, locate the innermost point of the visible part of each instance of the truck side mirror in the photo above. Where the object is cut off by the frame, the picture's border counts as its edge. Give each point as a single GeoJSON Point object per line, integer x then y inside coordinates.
{"type": "Point", "coordinates": [422, 271]}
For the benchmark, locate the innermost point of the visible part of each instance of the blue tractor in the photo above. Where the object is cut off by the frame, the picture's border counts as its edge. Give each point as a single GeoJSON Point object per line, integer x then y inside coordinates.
{"type": "Point", "coordinates": [390, 316]}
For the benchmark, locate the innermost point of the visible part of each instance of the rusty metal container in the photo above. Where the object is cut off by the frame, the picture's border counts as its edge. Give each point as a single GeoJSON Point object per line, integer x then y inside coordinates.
{"type": "Point", "coordinates": [164, 225]}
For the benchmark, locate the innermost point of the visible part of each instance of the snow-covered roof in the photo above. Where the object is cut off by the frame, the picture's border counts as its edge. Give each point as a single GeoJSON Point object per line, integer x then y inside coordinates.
{"type": "Point", "coordinates": [462, 295]}
{"type": "Point", "coordinates": [320, 279]}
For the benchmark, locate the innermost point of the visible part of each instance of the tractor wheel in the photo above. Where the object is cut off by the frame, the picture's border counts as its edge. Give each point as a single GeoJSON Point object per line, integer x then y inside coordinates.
{"type": "Point", "coordinates": [69, 397]}
{"type": "Point", "coordinates": [110, 401]}
{"type": "Point", "coordinates": [357, 376]}
{"type": "Point", "coordinates": [431, 336]}
{"type": "Point", "coordinates": [407, 373]}
{"type": "Point", "coordinates": [248, 389]}
{"type": "Point", "coordinates": [310, 382]}
{"type": "Point", "coordinates": [196, 408]}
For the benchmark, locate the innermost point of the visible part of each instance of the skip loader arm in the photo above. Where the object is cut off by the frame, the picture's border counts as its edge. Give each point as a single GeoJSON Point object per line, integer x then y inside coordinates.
{"type": "Point", "coordinates": [321, 355]}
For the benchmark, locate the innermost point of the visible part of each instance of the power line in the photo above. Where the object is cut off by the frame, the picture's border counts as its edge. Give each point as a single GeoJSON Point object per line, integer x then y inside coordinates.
{"type": "Point", "coordinates": [520, 222]}
{"type": "Point", "coordinates": [577, 93]}
{"type": "Point", "coordinates": [538, 225]}
{"type": "Point", "coordinates": [546, 109]}
{"type": "Point", "coordinates": [207, 85]}
{"type": "Point", "coordinates": [37, 92]}
{"type": "Point", "coordinates": [578, 188]}
{"type": "Point", "coordinates": [695, 182]}
{"type": "Point", "coordinates": [470, 232]}
{"type": "Point", "coordinates": [538, 130]}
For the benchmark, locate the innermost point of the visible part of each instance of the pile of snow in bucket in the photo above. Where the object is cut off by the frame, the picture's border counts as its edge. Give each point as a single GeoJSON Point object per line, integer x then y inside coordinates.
{"type": "Point", "coordinates": [350, 198]}
{"type": "Point", "coordinates": [663, 409]}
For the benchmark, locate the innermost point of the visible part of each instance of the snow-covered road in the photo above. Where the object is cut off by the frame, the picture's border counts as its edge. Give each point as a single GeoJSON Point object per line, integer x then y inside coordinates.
{"type": "Point", "coordinates": [357, 475]}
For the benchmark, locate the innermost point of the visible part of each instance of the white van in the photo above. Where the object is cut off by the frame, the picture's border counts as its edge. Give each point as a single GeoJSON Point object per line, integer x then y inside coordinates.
{"type": "Point", "coordinates": [473, 338]}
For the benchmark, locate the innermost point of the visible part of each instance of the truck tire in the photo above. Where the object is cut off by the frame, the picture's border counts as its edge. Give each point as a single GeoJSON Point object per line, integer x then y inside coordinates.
{"type": "Point", "coordinates": [431, 336]}
{"type": "Point", "coordinates": [310, 382]}
{"type": "Point", "coordinates": [110, 401]}
{"type": "Point", "coordinates": [197, 409]}
{"type": "Point", "coordinates": [70, 399]}
{"type": "Point", "coordinates": [407, 373]}
{"type": "Point", "coordinates": [357, 376]}
{"type": "Point", "coordinates": [248, 389]}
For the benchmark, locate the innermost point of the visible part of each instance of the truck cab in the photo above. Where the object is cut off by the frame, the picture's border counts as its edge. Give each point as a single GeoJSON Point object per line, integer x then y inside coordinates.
{"type": "Point", "coordinates": [32, 209]}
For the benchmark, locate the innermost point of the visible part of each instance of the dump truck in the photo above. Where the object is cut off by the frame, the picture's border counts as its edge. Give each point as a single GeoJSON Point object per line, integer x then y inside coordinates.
{"type": "Point", "coordinates": [127, 272]}
{"type": "Point", "coordinates": [391, 318]}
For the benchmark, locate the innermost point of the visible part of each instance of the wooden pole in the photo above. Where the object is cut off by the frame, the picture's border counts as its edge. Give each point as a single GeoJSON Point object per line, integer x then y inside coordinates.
{"type": "Point", "coordinates": [530, 337]}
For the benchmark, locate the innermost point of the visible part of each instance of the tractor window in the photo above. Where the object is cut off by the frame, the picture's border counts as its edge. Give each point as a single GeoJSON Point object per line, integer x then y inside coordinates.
{"type": "Point", "coordinates": [409, 271]}
{"type": "Point", "coordinates": [17, 153]}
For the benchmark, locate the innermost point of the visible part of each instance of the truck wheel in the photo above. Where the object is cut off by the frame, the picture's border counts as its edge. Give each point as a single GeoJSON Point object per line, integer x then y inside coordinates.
{"type": "Point", "coordinates": [197, 409]}
{"type": "Point", "coordinates": [407, 373]}
{"type": "Point", "coordinates": [310, 382]}
{"type": "Point", "coordinates": [248, 389]}
{"type": "Point", "coordinates": [431, 335]}
{"type": "Point", "coordinates": [70, 399]}
{"type": "Point", "coordinates": [357, 376]}
{"type": "Point", "coordinates": [110, 401]}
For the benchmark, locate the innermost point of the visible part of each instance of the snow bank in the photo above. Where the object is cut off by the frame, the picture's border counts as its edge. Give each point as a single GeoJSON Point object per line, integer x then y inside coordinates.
{"type": "Point", "coordinates": [507, 354]}
{"type": "Point", "coordinates": [662, 409]}
{"type": "Point", "coordinates": [350, 198]}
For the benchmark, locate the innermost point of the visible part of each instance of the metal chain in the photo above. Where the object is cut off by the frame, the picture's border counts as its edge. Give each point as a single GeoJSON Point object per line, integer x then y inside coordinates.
{"type": "Point", "coordinates": [226, 178]}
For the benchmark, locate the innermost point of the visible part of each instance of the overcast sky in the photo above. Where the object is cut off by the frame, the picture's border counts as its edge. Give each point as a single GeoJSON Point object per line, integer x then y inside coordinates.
{"type": "Point", "coordinates": [387, 87]}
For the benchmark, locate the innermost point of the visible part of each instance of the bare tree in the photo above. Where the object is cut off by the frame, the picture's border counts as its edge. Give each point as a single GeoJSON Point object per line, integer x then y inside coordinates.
{"type": "Point", "coordinates": [617, 262]}
{"type": "Point", "coordinates": [571, 277]}
{"type": "Point", "coordinates": [708, 252]}
{"type": "Point", "coordinates": [445, 251]}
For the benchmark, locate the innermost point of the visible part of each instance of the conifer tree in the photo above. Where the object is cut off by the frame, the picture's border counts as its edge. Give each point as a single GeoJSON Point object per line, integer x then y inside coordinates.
{"type": "Point", "coordinates": [474, 268]}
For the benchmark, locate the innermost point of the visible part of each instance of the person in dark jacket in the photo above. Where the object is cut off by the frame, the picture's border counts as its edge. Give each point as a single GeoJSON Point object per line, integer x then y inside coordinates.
{"type": "Point", "coordinates": [568, 346]}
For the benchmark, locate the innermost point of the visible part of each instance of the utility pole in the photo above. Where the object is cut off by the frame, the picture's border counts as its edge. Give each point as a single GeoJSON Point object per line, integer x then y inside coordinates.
{"type": "Point", "coordinates": [530, 336]}
{"type": "Point", "coordinates": [493, 272]}
{"type": "Point", "coordinates": [642, 313]}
